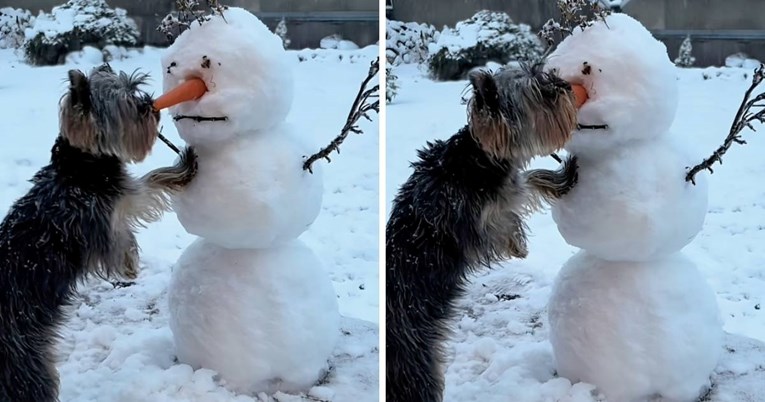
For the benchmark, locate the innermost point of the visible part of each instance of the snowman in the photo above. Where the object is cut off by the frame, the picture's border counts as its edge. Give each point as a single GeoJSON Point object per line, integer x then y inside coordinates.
{"type": "Point", "coordinates": [247, 298]}
{"type": "Point", "coordinates": [630, 313]}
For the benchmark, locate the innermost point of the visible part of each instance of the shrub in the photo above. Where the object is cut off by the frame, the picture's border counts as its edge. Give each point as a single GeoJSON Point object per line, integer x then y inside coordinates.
{"type": "Point", "coordinates": [391, 84]}
{"type": "Point", "coordinates": [407, 42]}
{"type": "Point", "coordinates": [76, 24]}
{"type": "Point", "coordinates": [487, 36]}
{"type": "Point", "coordinates": [281, 32]}
{"type": "Point", "coordinates": [13, 22]}
{"type": "Point", "coordinates": [684, 57]}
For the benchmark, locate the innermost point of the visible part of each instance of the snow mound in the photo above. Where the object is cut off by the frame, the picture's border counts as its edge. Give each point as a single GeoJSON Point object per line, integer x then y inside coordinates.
{"type": "Point", "coordinates": [337, 42]}
{"type": "Point", "coordinates": [635, 329]}
{"type": "Point", "coordinates": [628, 76]}
{"type": "Point", "coordinates": [408, 42]}
{"type": "Point", "coordinates": [740, 376]}
{"type": "Point", "coordinates": [742, 60]}
{"type": "Point", "coordinates": [13, 23]}
{"type": "Point", "coordinates": [487, 36]}
{"type": "Point", "coordinates": [75, 24]}
{"type": "Point", "coordinates": [265, 319]}
{"type": "Point", "coordinates": [248, 74]}
{"type": "Point", "coordinates": [363, 55]}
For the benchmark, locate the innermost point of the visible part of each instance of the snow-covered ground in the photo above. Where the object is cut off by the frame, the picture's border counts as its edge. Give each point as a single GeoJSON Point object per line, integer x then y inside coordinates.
{"type": "Point", "coordinates": [117, 346]}
{"type": "Point", "coordinates": [500, 349]}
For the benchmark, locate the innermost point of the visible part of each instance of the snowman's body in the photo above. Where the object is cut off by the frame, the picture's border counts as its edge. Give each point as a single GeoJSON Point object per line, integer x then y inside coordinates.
{"type": "Point", "coordinates": [255, 188]}
{"type": "Point", "coordinates": [630, 314]}
{"type": "Point", "coordinates": [247, 299]}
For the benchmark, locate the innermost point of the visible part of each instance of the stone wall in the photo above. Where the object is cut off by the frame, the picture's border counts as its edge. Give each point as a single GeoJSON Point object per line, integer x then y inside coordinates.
{"type": "Point", "coordinates": [307, 20]}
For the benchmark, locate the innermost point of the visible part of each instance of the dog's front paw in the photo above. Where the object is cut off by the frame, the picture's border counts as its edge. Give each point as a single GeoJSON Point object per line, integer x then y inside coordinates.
{"type": "Point", "coordinates": [188, 165]}
{"type": "Point", "coordinates": [570, 172]}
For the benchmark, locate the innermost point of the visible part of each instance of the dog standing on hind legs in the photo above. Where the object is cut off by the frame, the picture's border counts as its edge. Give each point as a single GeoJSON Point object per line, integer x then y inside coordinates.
{"type": "Point", "coordinates": [78, 220]}
{"type": "Point", "coordinates": [462, 208]}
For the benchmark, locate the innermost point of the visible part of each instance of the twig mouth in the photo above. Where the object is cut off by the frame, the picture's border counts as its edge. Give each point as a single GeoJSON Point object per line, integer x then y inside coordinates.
{"type": "Point", "coordinates": [592, 126]}
{"type": "Point", "coordinates": [200, 118]}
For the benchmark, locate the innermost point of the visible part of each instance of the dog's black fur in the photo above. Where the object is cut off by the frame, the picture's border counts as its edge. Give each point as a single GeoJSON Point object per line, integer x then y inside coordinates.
{"type": "Point", "coordinates": [462, 208]}
{"type": "Point", "coordinates": [77, 220]}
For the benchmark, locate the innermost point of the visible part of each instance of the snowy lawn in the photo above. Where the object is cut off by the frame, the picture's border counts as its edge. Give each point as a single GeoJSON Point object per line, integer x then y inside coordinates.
{"type": "Point", "coordinates": [500, 349]}
{"type": "Point", "coordinates": [117, 345]}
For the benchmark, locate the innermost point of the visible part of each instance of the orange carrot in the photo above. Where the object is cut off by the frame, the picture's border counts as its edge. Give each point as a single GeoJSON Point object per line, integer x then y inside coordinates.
{"type": "Point", "coordinates": [191, 89]}
{"type": "Point", "coordinates": [580, 94]}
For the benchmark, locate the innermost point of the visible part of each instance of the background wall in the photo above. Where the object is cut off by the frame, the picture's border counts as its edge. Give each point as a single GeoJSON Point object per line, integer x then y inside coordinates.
{"type": "Point", "coordinates": [718, 28]}
{"type": "Point", "coordinates": [307, 20]}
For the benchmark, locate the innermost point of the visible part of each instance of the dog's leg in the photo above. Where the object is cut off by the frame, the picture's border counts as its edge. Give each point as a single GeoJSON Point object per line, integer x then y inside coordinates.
{"type": "Point", "coordinates": [550, 185]}
{"type": "Point", "coordinates": [152, 196]}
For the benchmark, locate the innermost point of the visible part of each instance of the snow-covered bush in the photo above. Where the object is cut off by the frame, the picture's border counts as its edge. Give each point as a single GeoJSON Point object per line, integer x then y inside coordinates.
{"type": "Point", "coordinates": [13, 22]}
{"type": "Point", "coordinates": [407, 42]}
{"type": "Point", "coordinates": [75, 24]}
{"type": "Point", "coordinates": [281, 31]}
{"type": "Point", "coordinates": [487, 36]}
{"type": "Point", "coordinates": [684, 56]}
{"type": "Point", "coordinates": [391, 84]}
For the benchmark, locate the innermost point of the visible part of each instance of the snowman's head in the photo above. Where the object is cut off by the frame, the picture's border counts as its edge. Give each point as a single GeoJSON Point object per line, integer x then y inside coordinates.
{"type": "Point", "coordinates": [247, 73]}
{"type": "Point", "coordinates": [630, 81]}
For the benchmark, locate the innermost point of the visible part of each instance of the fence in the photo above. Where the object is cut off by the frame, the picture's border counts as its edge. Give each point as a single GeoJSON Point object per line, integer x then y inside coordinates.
{"type": "Point", "coordinates": [717, 28]}
{"type": "Point", "coordinates": [308, 21]}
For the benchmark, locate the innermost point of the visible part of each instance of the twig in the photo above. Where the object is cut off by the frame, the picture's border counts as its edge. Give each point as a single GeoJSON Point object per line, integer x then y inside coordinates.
{"type": "Point", "coordinates": [574, 13]}
{"type": "Point", "coordinates": [744, 118]}
{"type": "Point", "coordinates": [359, 109]}
{"type": "Point", "coordinates": [167, 142]}
{"type": "Point", "coordinates": [557, 158]}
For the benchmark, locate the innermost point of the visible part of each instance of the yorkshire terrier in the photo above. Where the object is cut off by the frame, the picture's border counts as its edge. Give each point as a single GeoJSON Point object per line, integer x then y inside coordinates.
{"type": "Point", "coordinates": [77, 221]}
{"type": "Point", "coordinates": [463, 208]}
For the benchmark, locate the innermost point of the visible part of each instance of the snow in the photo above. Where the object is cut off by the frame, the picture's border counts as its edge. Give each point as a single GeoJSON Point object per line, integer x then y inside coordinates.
{"type": "Point", "coordinates": [117, 345]}
{"type": "Point", "coordinates": [635, 328]}
{"type": "Point", "coordinates": [248, 76]}
{"type": "Point", "coordinates": [337, 42]}
{"type": "Point", "coordinates": [741, 60]}
{"type": "Point", "coordinates": [500, 349]}
{"type": "Point", "coordinates": [258, 315]}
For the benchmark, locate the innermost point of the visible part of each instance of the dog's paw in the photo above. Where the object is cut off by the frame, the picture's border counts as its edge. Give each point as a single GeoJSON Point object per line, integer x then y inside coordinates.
{"type": "Point", "coordinates": [189, 165]}
{"type": "Point", "coordinates": [570, 171]}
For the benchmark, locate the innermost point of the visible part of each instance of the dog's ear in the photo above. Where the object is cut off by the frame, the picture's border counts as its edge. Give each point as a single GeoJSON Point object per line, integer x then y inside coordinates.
{"type": "Point", "coordinates": [79, 90]}
{"type": "Point", "coordinates": [484, 88]}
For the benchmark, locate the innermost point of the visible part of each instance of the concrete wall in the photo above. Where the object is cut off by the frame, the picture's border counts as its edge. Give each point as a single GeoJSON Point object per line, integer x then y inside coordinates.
{"type": "Point", "coordinates": [718, 28]}
{"type": "Point", "coordinates": [307, 20]}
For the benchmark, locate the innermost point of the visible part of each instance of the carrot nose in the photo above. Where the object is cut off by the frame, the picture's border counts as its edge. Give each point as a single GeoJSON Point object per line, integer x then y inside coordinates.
{"type": "Point", "coordinates": [580, 95]}
{"type": "Point", "coordinates": [191, 89]}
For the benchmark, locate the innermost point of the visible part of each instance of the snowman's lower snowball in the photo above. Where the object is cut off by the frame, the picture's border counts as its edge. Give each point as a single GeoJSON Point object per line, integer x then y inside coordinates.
{"type": "Point", "coordinates": [266, 320]}
{"type": "Point", "coordinates": [635, 329]}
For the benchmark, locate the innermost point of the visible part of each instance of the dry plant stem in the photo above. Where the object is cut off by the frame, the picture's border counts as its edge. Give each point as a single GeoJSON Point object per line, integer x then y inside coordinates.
{"type": "Point", "coordinates": [167, 142]}
{"type": "Point", "coordinates": [744, 119]}
{"type": "Point", "coordinates": [359, 109]}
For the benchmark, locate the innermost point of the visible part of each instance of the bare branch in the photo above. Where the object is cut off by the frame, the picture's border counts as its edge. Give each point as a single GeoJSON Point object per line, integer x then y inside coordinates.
{"type": "Point", "coordinates": [361, 108]}
{"type": "Point", "coordinates": [574, 13]}
{"type": "Point", "coordinates": [742, 120]}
